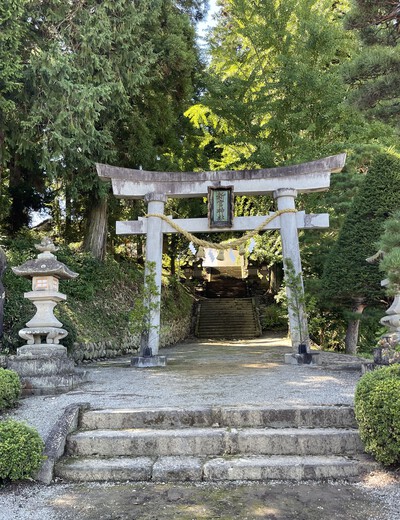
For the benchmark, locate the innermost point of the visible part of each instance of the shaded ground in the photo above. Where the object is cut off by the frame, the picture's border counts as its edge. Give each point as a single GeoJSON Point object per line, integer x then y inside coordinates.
{"type": "Point", "coordinates": [250, 501]}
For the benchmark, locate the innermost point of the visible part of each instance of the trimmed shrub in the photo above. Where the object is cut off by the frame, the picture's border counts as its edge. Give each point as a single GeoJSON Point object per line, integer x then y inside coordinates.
{"type": "Point", "coordinates": [21, 450]}
{"type": "Point", "coordinates": [377, 409]}
{"type": "Point", "coordinates": [10, 388]}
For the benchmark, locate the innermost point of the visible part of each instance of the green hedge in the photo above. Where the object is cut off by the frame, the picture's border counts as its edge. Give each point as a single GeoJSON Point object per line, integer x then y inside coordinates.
{"type": "Point", "coordinates": [377, 408]}
{"type": "Point", "coordinates": [10, 388]}
{"type": "Point", "coordinates": [21, 450]}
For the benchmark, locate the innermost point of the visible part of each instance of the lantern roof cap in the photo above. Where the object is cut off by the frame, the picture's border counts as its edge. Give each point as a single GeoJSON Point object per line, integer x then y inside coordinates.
{"type": "Point", "coordinates": [46, 264]}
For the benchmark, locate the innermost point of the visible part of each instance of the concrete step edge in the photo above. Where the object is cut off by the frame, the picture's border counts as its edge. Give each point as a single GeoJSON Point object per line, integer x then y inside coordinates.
{"type": "Point", "coordinates": [214, 442]}
{"type": "Point", "coordinates": [210, 469]}
{"type": "Point", "coordinates": [248, 417]}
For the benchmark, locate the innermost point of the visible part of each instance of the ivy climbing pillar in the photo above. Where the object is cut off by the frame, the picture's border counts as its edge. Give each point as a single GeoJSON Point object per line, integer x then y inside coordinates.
{"type": "Point", "coordinates": [285, 199]}
{"type": "Point", "coordinates": [154, 240]}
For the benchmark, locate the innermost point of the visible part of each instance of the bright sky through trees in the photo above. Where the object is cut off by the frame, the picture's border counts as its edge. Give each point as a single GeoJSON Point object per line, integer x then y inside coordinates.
{"type": "Point", "coordinates": [208, 22]}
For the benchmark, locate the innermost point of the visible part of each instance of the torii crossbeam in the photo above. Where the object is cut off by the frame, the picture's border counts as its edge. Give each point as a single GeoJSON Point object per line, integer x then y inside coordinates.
{"type": "Point", "coordinates": [283, 183]}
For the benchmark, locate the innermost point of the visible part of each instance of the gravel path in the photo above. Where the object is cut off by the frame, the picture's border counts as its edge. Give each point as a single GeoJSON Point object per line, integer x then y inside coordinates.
{"type": "Point", "coordinates": [206, 373]}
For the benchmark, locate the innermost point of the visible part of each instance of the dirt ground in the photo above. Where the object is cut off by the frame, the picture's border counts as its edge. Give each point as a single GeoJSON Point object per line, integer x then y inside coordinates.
{"type": "Point", "coordinates": [245, 501]}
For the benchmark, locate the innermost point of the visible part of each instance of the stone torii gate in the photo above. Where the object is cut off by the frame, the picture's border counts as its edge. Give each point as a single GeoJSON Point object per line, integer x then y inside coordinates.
{"type": "Point", "coordinates": [283, 183]}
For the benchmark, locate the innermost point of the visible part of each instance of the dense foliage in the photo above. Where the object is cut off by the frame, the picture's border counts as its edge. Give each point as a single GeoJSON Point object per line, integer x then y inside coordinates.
{"type": "Point", "coordinates": [21, 450]}
{"type": "Point", "coordinates": [87, 82]}
{"type": "Point", "coordinates": [375, 73]}
{"type": "Point", "coordinates": [99, 302]}
{"type": "Point", "coordinates": [349, 282]}
{"type": "Point", "coordinates": [10, 388]}
{"type": "Point", "coordinates": [389, 244]}
{"type": "Point", "coordinates": [274, 92]}
{"type": "Point", "coordinates": [377, 408]}
{"type": "Point", "coordinates": [122, 82]}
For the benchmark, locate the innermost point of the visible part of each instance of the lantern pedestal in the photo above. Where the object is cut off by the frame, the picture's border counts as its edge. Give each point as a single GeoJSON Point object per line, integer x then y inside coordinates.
{"type": "Point", "coordinates": [45, 369]}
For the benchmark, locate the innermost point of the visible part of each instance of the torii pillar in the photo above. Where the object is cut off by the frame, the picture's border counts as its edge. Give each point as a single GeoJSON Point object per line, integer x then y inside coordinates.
{"type": "Point", "coordinates": [285, 199]}
{"type": "Point", "coordinates": [283, 183]}
{"type": "Point", "coordinates": [148, 355]}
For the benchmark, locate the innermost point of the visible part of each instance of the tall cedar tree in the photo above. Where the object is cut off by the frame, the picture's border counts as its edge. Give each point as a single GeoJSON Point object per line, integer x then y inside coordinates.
{"type": "Point", "coordinates": [22, 183]}
{"type": "Point", "coordinates": [103, 82]}
{"type": "Point", "coordinates": [375, 73]}
{"type": "Point", "coordinates": [348, 280]}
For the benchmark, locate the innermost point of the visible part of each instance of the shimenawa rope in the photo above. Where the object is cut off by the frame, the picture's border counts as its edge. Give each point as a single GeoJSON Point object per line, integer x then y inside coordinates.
{"type": "Point", "coordinates": [227, 244]}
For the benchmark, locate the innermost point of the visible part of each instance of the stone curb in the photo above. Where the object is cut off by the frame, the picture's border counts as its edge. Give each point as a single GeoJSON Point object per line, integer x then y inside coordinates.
{"type": "Point", "coordinates": [55, 442]}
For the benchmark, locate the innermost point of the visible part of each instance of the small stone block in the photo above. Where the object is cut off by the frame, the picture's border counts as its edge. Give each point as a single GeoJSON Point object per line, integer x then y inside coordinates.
{"type": "Point", "coordinates": [177, 469]}
{"type": "Point", "coordinates": [148, 361]}
{"type": "Point", "coordinates": [367, 367]}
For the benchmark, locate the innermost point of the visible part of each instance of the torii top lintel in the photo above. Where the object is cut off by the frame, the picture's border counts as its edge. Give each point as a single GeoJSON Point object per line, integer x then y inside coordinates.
{"type": "Point", "coordinates": [305, 177]}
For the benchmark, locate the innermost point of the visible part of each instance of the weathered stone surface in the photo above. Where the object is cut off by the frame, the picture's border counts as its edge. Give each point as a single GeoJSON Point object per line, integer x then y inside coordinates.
{"type": "Point", "coordinates": [45, 264]}
{"type": "Point", "coordinates": [189, 441]}
{"type": "Point", "coordinates": [295, 417]}
{"type": "Point", "coordinates": [301, 359]}
{"type": "Point", "coordinates": [167, 469]}
{"type": "Point", "coordinates": [304, 443]}
{"type": "Point", "coordinates": [237, 417]}
{"type": "Point", "coordinates": [160, 418]}
{"type": "Point", "coordinates": [41, 375]}
{"type": "Point", "coordinates": [117, 469]}
{"type": "Point", "coordinates": [303, 177]}
{"type": "Point", "coordinates": [169, 334]}
{"type": "Point", "coordinates": [283, 468]}
{"type": "Point", "coordinates": [291, 441]}
{"type": "Point", "coordinates": [41, 366]}
{"type": "Point", "coordinates": [215, 441]}
{"type": "Point", "coordinates": [148, 361]}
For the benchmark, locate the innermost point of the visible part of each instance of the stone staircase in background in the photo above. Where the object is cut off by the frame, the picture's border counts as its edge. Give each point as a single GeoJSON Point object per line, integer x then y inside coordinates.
{"type": "Point", "coordinates": [214, 444]}
{"type": "Point", "coordinates": [227, 318]}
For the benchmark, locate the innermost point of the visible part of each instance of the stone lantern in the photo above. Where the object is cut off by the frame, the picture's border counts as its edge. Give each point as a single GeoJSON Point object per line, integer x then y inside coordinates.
{"type": "Point", "coordinates": [45, 271]}
{"type": "Point", "coordinates": [42, 362]}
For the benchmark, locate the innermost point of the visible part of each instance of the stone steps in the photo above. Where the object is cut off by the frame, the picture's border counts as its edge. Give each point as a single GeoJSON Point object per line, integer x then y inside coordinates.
{"type": "Point", "coordinates": [229, 468]}
{"type": "Point", "coordinates": [214, 443]}
{"type": "Point", "coordinates": [227, 318]}
{"type": "Point", "coordinates": [227, 416]}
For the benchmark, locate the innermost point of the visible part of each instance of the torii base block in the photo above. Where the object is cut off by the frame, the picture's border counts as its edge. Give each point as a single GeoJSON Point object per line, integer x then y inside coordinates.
{"type": "Point", "coordinates": [309, 358]}
{"type": "Point", "coordinates": [148, 361]}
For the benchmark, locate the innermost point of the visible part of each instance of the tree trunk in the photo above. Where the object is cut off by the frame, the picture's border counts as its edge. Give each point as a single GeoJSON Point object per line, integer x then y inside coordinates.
{"type": "Point", "coordinates": [19, 211]}
{"type": "Point", "coordinates": [353, 327]}
{"type": "Point", "coordinates": [68, 215]}
{"type": "Point", "coordinates": [96, 230]}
